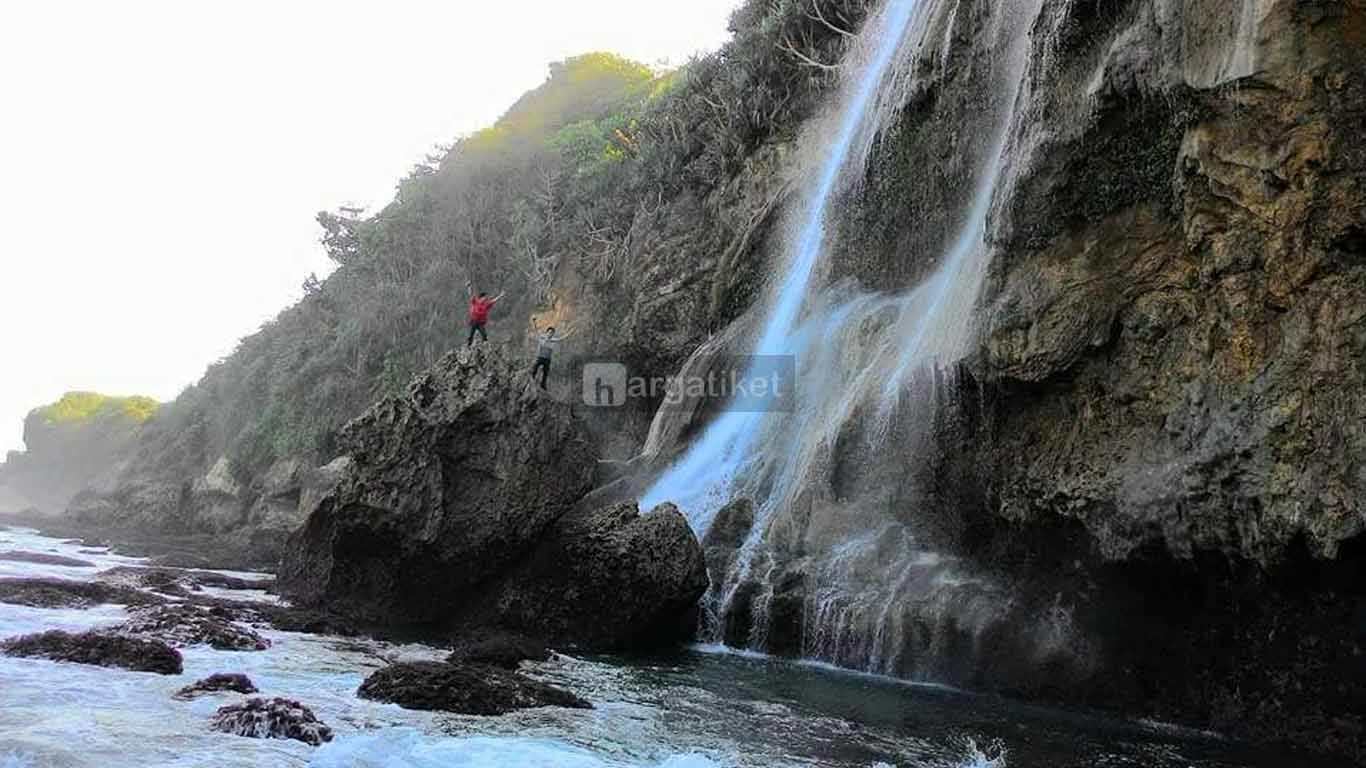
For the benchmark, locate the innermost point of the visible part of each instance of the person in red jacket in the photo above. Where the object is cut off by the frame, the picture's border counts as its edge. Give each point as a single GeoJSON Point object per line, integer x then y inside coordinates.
{"type": "Point", "coordinates": [480, 305]}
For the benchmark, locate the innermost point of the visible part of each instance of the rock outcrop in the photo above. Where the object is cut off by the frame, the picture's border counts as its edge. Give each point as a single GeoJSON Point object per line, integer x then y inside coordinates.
{"type": "Point", "coordinates": [272, 719]}
{"type": "Point", "coordinates": [99, 648]}
{"type": "Point", "coordinates": [44, 558]}
{"type": "Point", "coordinates": [61, 593]}
{"type": "Point", "coordinates": [605, 579]}
{"type": "Point", "coordinates": [468, 689]}
{"type": "Point", "coordinates": [457, 512]}
{"type": "Point", "coordinates": [181, 626]}
{"type": "Point", "coordinates": [232, 682]}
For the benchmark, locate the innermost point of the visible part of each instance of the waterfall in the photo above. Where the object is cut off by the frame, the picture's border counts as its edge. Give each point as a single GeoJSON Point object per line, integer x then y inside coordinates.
{"type": "Point", "coordinates": [870, 365]}
{"type": "Point", "coordinates": [700, 482]}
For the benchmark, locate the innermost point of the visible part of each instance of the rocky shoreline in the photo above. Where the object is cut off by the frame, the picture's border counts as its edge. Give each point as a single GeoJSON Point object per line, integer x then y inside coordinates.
{"type": "Point", "coordinates": [165, 614]}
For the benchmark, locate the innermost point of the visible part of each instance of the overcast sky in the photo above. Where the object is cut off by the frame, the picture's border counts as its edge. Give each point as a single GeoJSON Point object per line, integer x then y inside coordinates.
{"type": "Point", "coordinates": [161, 162]}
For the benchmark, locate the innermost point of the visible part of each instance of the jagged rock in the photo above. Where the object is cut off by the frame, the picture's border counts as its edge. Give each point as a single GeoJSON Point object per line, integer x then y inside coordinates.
{"type": "Point", "coordinates": [44, 558]}
{"type": "Point", "coordinates": [235, 682]}
{"type": "Point", "coordinates": [60, 593]}
{"type": "Point", "coordinates": [450, 484]}
{"type": "Point", "coordinates": [272, 719]}
{"type": "Point", "coordinates": [100, 648]}
{"type": "Point", "coordinates": [500, 649]}
{"type": "Point", "coordinates": [185, 625]}
{"type": "Point", "coordinates": [466, 689]}
{"type": "Point", "coordinates": [607, 579]}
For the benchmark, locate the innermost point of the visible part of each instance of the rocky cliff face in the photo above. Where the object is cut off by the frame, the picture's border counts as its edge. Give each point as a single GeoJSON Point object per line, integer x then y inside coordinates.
{"type": "Point", "coordinates": [458, 511]}
{"type": "Point", "coordinates": [1159, 414]}
{"type": "Point", "coordinates": [1177, 319]}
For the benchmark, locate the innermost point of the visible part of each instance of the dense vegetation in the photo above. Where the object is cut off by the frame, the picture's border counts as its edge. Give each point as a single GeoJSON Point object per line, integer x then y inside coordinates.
{"type": "Point", "coordinates": [85, 407]}
{"type": "Point", "coordinates": [554, 185]}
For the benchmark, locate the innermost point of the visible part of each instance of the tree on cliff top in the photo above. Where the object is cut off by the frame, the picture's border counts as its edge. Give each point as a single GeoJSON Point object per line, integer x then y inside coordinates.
{"type": "Point", "coordinates": [85, 407]}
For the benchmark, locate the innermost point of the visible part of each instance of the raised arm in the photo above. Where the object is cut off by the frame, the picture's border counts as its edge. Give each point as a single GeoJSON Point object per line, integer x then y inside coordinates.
{"type": "Point", "coordinates": [500, 295]}
{"type": "Point", "coordinates": [469, 289]}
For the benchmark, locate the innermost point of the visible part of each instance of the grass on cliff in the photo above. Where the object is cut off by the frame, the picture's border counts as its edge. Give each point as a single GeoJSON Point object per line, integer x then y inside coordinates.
{"type": "Point", "coordinates": [87, 407]}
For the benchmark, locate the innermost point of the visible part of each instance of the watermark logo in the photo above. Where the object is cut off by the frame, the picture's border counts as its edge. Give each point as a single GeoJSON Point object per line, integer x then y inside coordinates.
{"type": "Point", "coordinates": [749, 383]}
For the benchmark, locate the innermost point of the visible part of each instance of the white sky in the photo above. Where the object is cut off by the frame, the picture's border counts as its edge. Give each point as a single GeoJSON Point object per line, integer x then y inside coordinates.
{"type": "Point", "coordinates": [161, 162]}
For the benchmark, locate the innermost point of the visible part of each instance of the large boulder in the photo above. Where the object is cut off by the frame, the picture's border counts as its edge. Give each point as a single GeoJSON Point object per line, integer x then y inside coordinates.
{"type": "Point", "coordinates": [449, 485]}
{"type": "Point", "coordinates": [474, 689]}
{"type": "Point", "coordinates": [182, 626]}
{"type": "Point", "coordinates": [232, 682]}
{"type": "Point", "coordinates": [463, 511]}
{"type": "Point", "coordinates": [605, 579]}
{"type": "Point", "coordinates": [103, 649]}
{"type": "Point", "coordinates": [272, 719]}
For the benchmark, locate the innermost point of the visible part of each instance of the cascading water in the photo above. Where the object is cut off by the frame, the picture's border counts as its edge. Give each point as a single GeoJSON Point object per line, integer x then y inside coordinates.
{"type": "Point", "coordinates": [867, 365]}
{"type": "Point", "coordinates": [699, 483]}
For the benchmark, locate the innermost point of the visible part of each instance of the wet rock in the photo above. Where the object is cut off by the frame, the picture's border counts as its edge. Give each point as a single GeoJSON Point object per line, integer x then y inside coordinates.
{"type": "Point", "coordinates": [450, 485]}
{"type": "Point", "coordinates": [99, 648]}
{"type": "Point", "coordinates": [499, 649]}
{"type": "Point", "coordinates": [608, 579]}
{"type": "Point", "coordinates": [44, 558]}
{"type": "Point", "coordinates": [233, 682]}
{"type": "Point", "coordinates": [186, 625]}
{"type": "Point", "coordinates": [275, 718]}
{"type": "Point", "coordinates": [61, 593]}
{"type": "Point", "coordinates": [474, 689]}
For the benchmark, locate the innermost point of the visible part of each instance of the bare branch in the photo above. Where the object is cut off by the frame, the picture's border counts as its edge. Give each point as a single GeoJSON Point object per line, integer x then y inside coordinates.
{"type": "Point", "coordinates": [786, 46]}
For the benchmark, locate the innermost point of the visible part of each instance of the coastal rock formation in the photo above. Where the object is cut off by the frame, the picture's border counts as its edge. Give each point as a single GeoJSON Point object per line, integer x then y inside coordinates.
{"type": "Point", "coordinates": [61, 593]}
{"type": "Point", "coordinates": [184, 625]}
{"type": "Point", "coordinates": [44, 558]}
{"type": "Point", "coordinates": [100, 648]}
{"type": "Point", "coordinates": [456, 511]}
{"type": "Point", "coordinates": [234, 682]}
{"type": "Point", "coordinates": [449, 484]}
{"type": "Point", "coordinates": [605, 579]}
{"type": "Point", "coordinates": [473, 689]}
{"type": "Point", "coordinates": [275, 718]}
